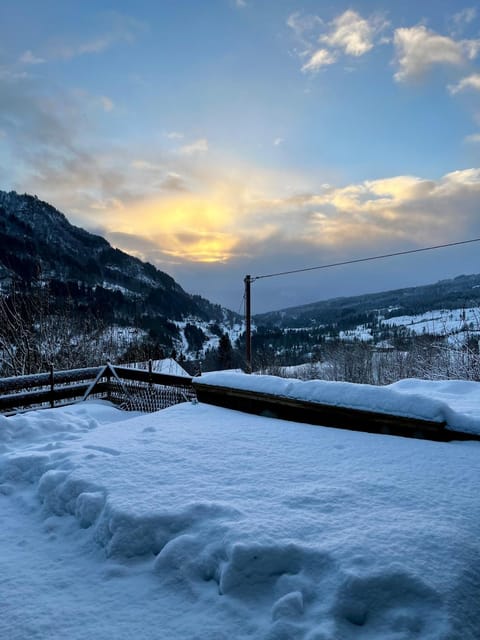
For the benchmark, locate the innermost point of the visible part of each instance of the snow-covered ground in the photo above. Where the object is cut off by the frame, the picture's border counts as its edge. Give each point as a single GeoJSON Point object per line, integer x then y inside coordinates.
{"type": "Point", "coordinates": [441, 322]}
{"type": "Point", "coordinates": [360, 333]}
{"type": "Point", "coordinates": [203, 523]}
{"type": "Point", "coordinates": [234, 331]}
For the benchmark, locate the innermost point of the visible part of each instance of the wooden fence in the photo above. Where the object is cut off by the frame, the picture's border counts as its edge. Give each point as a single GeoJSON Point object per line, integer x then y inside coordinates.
{"type": "Point", "coordinates": [146, 390]}
{"type": "Point", "coordinates": [132, 389]}
{"type": "Point", "coordinates": [316, 413]}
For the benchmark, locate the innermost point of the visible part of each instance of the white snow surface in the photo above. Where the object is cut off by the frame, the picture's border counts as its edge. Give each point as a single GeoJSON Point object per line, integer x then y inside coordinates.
{"type": "Point", "coordinates": [439, 322]}
{"type": "Point", "coordinates": [165, 365]}
{"type": "Point", "coordinates": [455, 402]}
{"type": "Point", "coordinates": [203, 523]}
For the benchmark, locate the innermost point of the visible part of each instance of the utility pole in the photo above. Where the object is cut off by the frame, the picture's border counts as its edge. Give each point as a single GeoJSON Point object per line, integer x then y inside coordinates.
{"type": "Point", "coordinates": [248, 324]}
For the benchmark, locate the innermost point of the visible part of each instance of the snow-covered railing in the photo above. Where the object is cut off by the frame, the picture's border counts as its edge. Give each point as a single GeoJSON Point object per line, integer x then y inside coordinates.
{"type": "Point", "coordinates": [138, 389]}
{"type": "Point", "coordinates": [342, 405]}
{"type": "Point", "coordinates": [50, 388]}
{"type": "Point", "coordinates": [148, 390]}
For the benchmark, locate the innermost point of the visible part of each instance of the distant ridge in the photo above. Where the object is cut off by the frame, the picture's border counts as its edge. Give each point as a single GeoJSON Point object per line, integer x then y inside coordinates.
{"type": "Point", "coordinates": [462, 291]}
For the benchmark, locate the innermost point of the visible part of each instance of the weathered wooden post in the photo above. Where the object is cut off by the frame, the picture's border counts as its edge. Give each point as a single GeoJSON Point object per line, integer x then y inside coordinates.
{"type": "Point", "coordinates": [52, 386]}
{"type": "Point", "coordinates": [108, 374]}
{"type": "Point", "coordinates": [248, 324]}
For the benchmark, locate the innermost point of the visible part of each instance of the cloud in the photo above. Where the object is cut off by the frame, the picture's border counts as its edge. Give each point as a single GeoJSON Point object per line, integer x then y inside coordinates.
{"type": "Point", "coordinates": [278, 141]}
{"type": "Point", "coordinates": [241, 4]}
{"type": "Point", "coordinates": [83, 100]}
{"type": "Point", "coordinates": [28, 58]}
{"type": "Point", "coordinates": [11, 74]}
{"type": "Point", "coordinates": [243, 222]}
{"type": "Point", "coordinates": [210, 240]}
{"type": "Point", "coordinates": [349, 33]}
{"type": "Point", "coordinates": [146, 165]}
{"type": "Point", "coordinates": [302, 25]}
{"type": "Point", "coordinates": [174, 135]}
{"type": "Point", "coordinates": [198, 146]}
{"type": "Point", "coordinates": [120, 29]}
{"type": "Point", "coordinates": [174, 182]}
{"type": "Point", "coordinates": [185, 210]}
{"type": "Point", "coordinates": [132, 243]}
{"type": "Point", "coordinates": [418, 49]}
{"type": "Point", "coordinates": [474, 138]}
{"type": "Point", "coordinates": [106, 103]}
{"type": "Point", "coordinates": [319, 59]}
{"type": "Point", "coordinates": [463, 18]}
{"type": "Point", "coordinates": [470, 82]}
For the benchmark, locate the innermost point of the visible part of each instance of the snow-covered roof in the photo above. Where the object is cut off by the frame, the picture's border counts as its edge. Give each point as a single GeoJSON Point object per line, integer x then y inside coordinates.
{"type": "Point", "coordinates": [166, 365]}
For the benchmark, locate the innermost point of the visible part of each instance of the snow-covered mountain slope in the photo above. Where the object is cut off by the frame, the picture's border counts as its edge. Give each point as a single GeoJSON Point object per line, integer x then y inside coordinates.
{"type": "Point", "coordinates": [37, 242]}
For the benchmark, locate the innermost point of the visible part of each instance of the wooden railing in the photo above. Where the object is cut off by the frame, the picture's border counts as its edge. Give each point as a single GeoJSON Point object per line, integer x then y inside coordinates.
{"type": "Point", "coordinates": [326, 415]}
{"type": "Point", "coordinates": [107, 381]}
{"type": "Point", "coordinates": [147, 390]}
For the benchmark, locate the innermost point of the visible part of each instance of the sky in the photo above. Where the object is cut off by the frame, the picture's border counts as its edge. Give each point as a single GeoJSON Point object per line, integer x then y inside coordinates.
{"type": "Point", "coordinates": [220, 138]}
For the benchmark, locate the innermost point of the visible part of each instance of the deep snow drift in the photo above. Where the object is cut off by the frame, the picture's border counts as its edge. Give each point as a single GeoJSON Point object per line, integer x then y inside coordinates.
{"type": "Point", "coordinates": [203, 523]}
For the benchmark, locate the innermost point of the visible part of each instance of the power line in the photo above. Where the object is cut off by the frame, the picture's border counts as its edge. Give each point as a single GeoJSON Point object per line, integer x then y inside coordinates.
{"type": "Point", "coordinates": [242, 304]}
{"type": "Point", "coordinates": [381, 257]}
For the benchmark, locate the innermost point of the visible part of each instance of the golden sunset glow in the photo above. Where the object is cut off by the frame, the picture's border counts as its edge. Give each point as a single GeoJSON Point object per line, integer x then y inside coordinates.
{"type": "Point", "coordinates": [191, 228]}
{"type": "Point", "coordinates": [234, 219]}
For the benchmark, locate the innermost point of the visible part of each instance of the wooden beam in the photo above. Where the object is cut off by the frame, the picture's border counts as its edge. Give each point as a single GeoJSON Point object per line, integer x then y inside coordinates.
{"type": "Point", "coordinates": [316, 413]}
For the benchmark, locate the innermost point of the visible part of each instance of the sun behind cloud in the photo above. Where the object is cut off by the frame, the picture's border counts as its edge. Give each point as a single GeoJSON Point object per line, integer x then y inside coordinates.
{"type": "Point", "coordinates": [188, 227]}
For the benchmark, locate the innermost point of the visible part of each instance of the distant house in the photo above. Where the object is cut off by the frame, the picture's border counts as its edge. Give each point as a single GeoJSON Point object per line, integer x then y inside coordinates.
{"type": "Point", "coordinates": [166, 365]}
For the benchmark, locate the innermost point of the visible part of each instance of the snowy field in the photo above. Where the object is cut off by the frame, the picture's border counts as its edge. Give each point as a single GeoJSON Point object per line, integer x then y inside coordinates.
{"type": "Point", "coordinates": [202, 523]}
{"type": "Point", "coordinates": [440, 322]}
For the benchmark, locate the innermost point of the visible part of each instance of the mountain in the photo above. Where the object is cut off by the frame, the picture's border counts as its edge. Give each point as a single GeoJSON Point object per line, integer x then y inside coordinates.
{"type": "Point", "coordinates": [349, 312]}
{"type": "Point", "coordinates": [38, 244]}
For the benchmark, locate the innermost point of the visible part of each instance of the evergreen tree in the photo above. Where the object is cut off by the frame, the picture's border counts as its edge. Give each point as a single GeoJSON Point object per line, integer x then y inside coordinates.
{"type": "Point", "coordinates": [225, 352]}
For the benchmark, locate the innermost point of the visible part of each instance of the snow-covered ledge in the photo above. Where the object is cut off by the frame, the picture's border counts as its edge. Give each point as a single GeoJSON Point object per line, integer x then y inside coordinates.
{"type": "Point", "coordinates": [437, 402]}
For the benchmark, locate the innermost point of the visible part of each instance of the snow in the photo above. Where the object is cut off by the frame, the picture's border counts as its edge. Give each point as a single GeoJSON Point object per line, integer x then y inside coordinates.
{"type": "Point", "coordinates": [457, 403]}
{"type": "Point", "coordinates": [165, 365]}
{"type": "Point", "coordinates": [360, 333]}
{"type": "Point", "coordinates": [204, 523]}
{"type": "Point", "coordinates": [439, 322]}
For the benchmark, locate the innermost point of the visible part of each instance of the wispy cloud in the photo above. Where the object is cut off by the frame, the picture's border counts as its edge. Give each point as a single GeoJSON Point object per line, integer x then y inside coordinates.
{"type": "Point", "coordinates": [107, 103]}
{"type": "Point", "coordinates": [174, 135]}
{"type": "Point", "coordinates": [321, 58]}
{"type": "Point", "coordinates": [29, 58]}
{"type": "Point", "coordinates": [198, 146]}
{"type": "Point", "coordinates": [461, 19]}
{"type": "Point", "coordinates": [418, 49]}
{"type": "Point", "coordinates": [302, 25]}
{"type": "Point", "coordinates": [473, 138]}
{"type": "Point", "coordinates": [119, 29]}
{"type": "Point", "coordinates": [146, 165]}
{"type": "Point", "coordinates": [470, 82]}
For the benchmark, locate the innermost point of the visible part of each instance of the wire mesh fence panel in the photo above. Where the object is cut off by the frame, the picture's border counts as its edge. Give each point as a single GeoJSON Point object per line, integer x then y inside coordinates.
{"type": "Point", "coordinates": [148, 397]}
